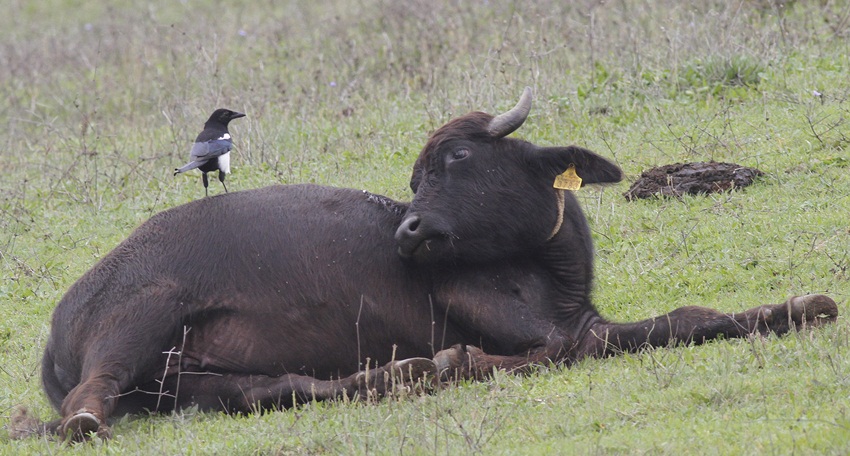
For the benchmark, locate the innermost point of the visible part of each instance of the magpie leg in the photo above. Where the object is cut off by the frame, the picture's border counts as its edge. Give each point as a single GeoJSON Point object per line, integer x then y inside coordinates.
{"type": "Point", "coordinates": [206, 184]}
{"type": "Point", "coordinates": [221, 178]}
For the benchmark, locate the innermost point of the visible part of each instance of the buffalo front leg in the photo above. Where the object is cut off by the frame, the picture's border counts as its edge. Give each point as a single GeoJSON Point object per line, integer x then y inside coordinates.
{"type": "Point", "coordinates": [470, 362]}
{"type": "Point", "coordinates": [696, 325]}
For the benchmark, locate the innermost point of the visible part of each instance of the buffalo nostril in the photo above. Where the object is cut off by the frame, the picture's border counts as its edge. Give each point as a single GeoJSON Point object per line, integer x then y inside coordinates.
{"type": "Point", "coordinates": [412, 233]}
{"type": "Point", "coordinates": [407, 230]}
{"type": "Point", "coordinates": [412, 224]}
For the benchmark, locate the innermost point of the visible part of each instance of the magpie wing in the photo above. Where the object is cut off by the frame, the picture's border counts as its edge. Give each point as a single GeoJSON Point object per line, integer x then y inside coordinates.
{"type": "Point", "coordinates": [208, 150]}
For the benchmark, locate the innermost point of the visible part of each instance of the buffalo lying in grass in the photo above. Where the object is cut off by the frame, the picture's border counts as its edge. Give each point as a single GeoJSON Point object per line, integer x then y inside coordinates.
{"type": "Point", "coordinates": [274, 296]}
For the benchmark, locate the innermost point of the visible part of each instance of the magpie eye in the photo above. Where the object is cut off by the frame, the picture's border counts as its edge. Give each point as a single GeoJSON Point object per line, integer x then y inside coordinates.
{"type": "Point", "coordinates": [460, 154]}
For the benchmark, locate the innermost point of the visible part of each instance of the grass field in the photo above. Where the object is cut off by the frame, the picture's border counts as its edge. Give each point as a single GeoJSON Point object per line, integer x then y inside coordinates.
{"type": "Point", "coordinates": [101, 100]}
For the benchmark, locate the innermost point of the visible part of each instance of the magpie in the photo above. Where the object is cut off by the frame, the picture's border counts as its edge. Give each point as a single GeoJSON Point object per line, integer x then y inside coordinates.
{"type": "Point", "coordinates": [211, 150]}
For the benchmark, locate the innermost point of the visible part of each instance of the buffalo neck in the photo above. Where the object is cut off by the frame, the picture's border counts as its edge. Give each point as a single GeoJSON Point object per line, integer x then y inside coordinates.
{"type": "Point", "coordinates": [559, 221]}
{"type": "Point", "coordinates": [568, 256]}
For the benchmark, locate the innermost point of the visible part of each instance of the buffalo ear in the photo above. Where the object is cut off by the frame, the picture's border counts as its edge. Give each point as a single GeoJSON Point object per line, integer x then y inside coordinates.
{"type": "Point", "coordinates": [590, 167]}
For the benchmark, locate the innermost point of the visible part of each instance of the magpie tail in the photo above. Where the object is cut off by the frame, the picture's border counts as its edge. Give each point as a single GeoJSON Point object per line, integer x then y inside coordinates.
{"type": "Point", "coordinates": [187, 167]}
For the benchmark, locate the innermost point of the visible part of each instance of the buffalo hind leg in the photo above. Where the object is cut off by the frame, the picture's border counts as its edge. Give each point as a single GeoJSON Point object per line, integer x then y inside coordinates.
{"type": "Point", "coordinates": [87, 406]}
{"type": "Point", "coordinates": [244, 393]}
{"type": "Point", "coordinates": [113, 349]}
{"type": "Point", "coordinates": [696, 325]}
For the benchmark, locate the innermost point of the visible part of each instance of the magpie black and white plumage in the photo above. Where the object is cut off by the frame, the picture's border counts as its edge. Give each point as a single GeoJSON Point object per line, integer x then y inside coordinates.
{"type": "Point", "coordinates": [211, 150]}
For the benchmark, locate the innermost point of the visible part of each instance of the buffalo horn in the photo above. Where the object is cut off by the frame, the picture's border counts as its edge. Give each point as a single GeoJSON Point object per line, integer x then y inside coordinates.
{"type": "Point", "coordinates": [504, 124]}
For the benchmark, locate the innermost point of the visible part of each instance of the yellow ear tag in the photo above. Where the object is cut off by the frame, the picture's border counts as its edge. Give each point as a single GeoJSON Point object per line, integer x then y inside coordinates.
{"type": "Point", "coordinates": [569, 180]}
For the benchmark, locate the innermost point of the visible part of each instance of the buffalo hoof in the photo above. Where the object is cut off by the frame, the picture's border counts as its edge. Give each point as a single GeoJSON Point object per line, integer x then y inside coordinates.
{"type": "Point", "coordinates": [812, 310]}
{"type": "Point", "coordinates": [394, 375]}
{"type": "Point", "coordinates": [449, 359]}
{"type": "Point", "coordinates": [80, 427]}
{"type": "Point", "coordinates": [457, 361]}
{"type": "Point", "coordinates": [415, 369]}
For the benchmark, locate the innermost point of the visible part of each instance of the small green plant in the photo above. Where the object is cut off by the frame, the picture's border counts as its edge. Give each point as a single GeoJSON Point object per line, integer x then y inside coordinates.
{"type": "Point", "coordinates": [719, 76]}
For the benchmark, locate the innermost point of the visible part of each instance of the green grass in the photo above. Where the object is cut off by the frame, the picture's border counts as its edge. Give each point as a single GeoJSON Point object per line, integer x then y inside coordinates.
{"type": "Point", "coordinates": [100, 101]}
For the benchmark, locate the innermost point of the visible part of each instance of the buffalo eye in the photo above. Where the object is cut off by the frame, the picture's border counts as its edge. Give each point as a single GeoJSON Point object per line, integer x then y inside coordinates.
{"type": "Point", "coordinates": [458, 154]}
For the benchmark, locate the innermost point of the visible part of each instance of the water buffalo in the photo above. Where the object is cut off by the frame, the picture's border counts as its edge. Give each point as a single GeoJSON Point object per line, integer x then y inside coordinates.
{"type": "Point", "coordinates": [269, 297]}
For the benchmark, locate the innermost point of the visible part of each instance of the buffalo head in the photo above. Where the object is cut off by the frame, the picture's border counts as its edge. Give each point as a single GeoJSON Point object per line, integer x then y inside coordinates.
{"type": "Point", "coordinates": [480, 195]}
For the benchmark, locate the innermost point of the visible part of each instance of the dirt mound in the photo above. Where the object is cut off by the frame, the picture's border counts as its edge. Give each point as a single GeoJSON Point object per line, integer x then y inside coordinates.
{"type": "Point", "coordinates": [22, 425]}
{"type": "Point", "coordinates": [691, 178]}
